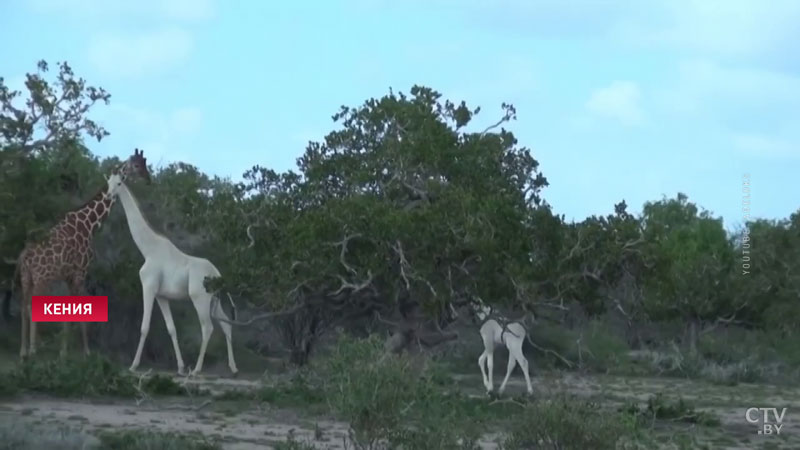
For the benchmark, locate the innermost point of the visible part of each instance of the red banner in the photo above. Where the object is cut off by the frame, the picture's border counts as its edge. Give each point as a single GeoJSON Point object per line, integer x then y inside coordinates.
{"type": "Point", "coordinates": [69, 308]}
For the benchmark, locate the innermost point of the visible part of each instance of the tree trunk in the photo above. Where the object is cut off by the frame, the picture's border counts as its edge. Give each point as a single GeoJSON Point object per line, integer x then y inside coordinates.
{"type": "Point", "coordinates": [693, 332]}
{"type": "Point", "coordinates": [7, 306]}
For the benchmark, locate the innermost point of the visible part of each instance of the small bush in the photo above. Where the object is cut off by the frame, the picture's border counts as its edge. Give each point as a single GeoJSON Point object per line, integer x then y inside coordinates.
{"type": "Point", "coordinates": [391, 403]}
{"type": "Point", "coordinates": [25, 436]}
{"type": "Point", "coordinates": [595, 348]}
{"type": "Point", "coordinates": [566, 423]}
{"type": "Point", "coordinates": [298, 391]}
{"type": "Point", "coordinates": [91, 376]}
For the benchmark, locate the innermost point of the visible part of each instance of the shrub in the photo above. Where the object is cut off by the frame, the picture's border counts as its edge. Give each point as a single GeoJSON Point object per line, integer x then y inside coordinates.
{"type": "Point", "coordinates": [25, 436]}
{"type": "Point", "coordinates": [391, 403]}
{"type": "Point", "coordinates": [566, 423]}
{"type": "Point", "coordinates": [90, 376]}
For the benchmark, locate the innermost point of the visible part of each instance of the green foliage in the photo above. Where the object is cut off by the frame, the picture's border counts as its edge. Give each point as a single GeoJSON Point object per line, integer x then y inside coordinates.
{"type": "Point", "coordinates": [768, 273]}
{"type": "Point", "coordinates": [593, 347]}
{"type": "Point", "coordinates": [416, 195]}
{"type": "Point", "coordinates": [90, 376]}
{"type": "Point", "coordinates": [693, 261]}
{"type": "Point", "coordinates": [43, 164]}
{"type": "Point", "coordinates": [388, 401]}
{"type": "Point", "coordinates": [296, 392]}
{"type": "Point", "coordinates": [566, 423]}
{"type": "Point", "coordinates": [19, 435]}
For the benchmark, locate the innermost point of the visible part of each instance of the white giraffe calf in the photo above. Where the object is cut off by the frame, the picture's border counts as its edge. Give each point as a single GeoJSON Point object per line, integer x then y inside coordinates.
{"type": "Point", "coordinates": [497, 330]}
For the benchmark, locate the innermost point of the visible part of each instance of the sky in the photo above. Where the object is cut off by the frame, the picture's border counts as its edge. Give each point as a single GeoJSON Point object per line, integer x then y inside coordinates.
{"type": "Point", "coordinates": [617, 100]}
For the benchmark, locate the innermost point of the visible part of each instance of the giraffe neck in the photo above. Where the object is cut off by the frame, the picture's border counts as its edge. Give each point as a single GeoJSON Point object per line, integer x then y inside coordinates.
{"type": "Point", "coordinates": [84, 221]}
{"type": "Point", "coordinates": [147, 240]}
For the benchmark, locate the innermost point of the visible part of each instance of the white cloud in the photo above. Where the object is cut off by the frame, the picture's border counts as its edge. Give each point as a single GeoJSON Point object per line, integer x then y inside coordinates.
{"type": "Point", "coordinates": [768, 147]}
{"type": "Point", "coordinates": [728, 27]}
{"type": "Point", "coordinates": [702, 86]}
{"type": "Point", "coordinates": [180, 10]}
{"type": "Point", "coordinates": [620, 100]}
{"type": "Point", "coordinates": [762, 31]}
{"type": "Point", "coordinates": [140, 55]}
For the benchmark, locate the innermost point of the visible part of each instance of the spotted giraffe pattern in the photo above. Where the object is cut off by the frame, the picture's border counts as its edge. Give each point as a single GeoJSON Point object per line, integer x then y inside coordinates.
{"type": "Point", "coordinates": [66, 252]}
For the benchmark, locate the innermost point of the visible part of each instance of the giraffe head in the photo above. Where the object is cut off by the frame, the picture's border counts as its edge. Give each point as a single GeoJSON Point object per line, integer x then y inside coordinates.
{"type": "Point", "coordinates": [136, 165]}
{"type": "Point", "coordinates": [479, 310]}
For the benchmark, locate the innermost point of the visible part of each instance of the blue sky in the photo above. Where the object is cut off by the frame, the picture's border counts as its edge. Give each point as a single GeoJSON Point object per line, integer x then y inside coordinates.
{"type": "Point", "coordinates": [616, 99]}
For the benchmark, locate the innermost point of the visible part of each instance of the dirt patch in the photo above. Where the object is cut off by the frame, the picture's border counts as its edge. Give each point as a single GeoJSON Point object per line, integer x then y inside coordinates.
{"type": "Point", "coordinates": [728, 403]}
{"type": "Point", "coordinates": [246, 430]}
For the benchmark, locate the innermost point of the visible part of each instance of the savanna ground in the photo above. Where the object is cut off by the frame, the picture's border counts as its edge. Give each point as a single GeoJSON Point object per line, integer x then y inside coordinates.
{"type": "Point", "coordinates": [354, 395]}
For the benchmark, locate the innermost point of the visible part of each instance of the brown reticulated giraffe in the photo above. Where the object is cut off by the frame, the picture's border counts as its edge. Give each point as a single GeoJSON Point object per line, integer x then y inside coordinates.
{"type": "Point", "coordinates": [65, 254]}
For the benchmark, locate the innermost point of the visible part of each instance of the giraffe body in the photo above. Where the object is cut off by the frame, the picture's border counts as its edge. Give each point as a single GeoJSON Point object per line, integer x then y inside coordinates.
{"type": "Point", "coordinates": [65, 254]}
{"type": "Point", "coordinates": [495, 331]}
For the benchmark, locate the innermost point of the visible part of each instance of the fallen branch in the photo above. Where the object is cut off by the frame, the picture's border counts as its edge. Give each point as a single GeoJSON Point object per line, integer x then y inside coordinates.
{"type": "Point", "coordinates": [507, 400]}
{"type": "Point", "coordinates": [265, 316]}
{"type": "Point", "coordinates": [552, 352]}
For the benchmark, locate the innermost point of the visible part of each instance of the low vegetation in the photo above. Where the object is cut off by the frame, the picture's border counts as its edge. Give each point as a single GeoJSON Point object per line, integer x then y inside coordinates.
{"type": "Point", "coordinates": [85, 377]}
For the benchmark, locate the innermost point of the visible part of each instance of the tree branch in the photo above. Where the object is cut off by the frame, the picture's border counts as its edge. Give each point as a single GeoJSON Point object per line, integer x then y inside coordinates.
{"type": "Point", "coordinates": [343, 244]}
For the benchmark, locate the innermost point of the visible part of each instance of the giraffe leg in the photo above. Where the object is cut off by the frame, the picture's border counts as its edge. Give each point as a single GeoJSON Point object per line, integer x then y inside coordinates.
{"type": "Point", "coordinates": [490, 370]}
{"type": "Point", "coordinates": [148, 297]}
{"type": "Point", "coordinates": [512, 361]}
{"type": "Point", "coordinates": [64, 340]}
{"type": "Point", "coordinates": [202, 303]}
{"type": "Point", "coordinates": [25, 321]}
{"type": "Point", "coordinates": [163, 305]}
{"type": "Point", "coordinates": [31, 332]}
{"type": "Point", "coordinates": [523, 364]}
{"type": "Point", "coordinates": [37, 290]}
{"type": "Point", "coordinates": [481, 364]}
{"type": "Point", "coordinates": [77, 287]}
{"type": "Point", "coordinates": [227, 331]}
{"type": "Point", "coordinates": [85, 336]}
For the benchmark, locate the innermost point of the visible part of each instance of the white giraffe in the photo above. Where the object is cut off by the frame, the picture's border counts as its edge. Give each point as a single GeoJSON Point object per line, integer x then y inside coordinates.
{"type": "Point", "coordinates": [496, 330]}
{"type": "Point", "coordinates": [168, 274]}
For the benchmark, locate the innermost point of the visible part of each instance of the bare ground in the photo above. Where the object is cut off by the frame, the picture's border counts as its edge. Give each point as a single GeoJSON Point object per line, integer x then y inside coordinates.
{"type": "Point", "coordinates": [244, 425]}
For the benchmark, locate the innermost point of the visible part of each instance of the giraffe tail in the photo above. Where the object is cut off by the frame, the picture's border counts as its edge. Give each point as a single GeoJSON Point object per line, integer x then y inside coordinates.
{"type": "Point", "coordinates": [233, 307]}
{"type": "Point", "coordinates": [216, 304]}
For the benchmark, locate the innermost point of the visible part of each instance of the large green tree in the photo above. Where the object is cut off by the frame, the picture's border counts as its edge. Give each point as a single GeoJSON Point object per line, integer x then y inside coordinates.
{"type": "Point", "coordinates": [693, 261]}
{"type": "Point", "coordinates": [400, 212]}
